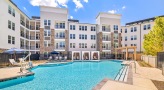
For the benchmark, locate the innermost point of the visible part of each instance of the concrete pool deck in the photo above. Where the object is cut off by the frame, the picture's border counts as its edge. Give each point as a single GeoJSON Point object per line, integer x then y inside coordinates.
{"type": "Point", "coordinates": [141, 80]}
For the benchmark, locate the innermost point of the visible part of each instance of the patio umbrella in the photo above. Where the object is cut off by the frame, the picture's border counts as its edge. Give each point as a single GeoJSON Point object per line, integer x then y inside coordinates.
{"type": "Point", "coordinates": [14, 51]}
{"type": "Point", "coordinates": [54, 52]}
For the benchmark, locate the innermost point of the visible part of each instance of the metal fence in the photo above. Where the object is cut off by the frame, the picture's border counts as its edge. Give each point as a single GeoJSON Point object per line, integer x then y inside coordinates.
{"type": "Point", "coordinates": [111, 56]}
{"type": "Point", "coordinates": [160, 59]}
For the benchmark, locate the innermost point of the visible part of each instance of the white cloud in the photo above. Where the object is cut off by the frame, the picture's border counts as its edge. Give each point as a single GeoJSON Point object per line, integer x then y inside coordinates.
{"type": "Point", "coordinates": [71, 17]}
{"type": "Point", "coordinates": [86, 1]}
{"type": "Point", "coordinates": [52, 3]}
{"type": "Point", "coordinates": [124, 7]}
{"type": "Point", "coordinates": [112, 11]}
{"type": "Point", "coordinates": [78, 4]}
{"type": "Point", "coordinates": [25, 9]}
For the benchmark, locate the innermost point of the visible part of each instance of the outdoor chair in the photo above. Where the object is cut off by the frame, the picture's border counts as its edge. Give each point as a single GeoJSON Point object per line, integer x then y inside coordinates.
{"type": "Point", "coordinates": [13, 62]}
{"type": "Point", "coordinates": [65, 58]}
{"type": "Point", "coordinates": [56, 58]}
{"type": "Point", "coordinates": [94, 57]}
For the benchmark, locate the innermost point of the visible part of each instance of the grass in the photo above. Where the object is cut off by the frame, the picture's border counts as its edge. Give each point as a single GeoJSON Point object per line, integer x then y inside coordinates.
{"type": "Point", "coordinates": [143, 64]}
{"type": "Point", "coordinates": [159, 84]}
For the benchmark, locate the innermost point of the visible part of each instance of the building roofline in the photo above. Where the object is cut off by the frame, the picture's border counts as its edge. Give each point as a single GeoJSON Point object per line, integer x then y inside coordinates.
{"type": "Point", "coordinates": [143, 20]}
{"type": "Point", "coordinates": [19, 9]}
{"type": "Point", "coordinates": [107, 13]}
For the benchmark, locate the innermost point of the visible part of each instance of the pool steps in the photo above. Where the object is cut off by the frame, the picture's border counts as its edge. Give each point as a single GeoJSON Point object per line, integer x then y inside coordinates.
{"type": "Point", "coordinates": [123, 74]}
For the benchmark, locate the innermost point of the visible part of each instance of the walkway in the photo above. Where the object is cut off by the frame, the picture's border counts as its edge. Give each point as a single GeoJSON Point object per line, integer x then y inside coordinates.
{"type": "Point", "coordinates": [141, 80]}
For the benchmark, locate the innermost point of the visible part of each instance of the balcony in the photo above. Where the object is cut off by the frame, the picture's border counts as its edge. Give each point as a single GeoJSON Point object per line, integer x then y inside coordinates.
{"type": "Point", "coordinates": [106, 48]}
{"type": "Point", "coordinates": [27, 26]}
{"type": "Point", "coordinates": [22, 22]}
{"type": "Point", "coordinates": [22, 35]}
{"type": "Point", "coordinates": [32, 37]}
{"type": "Point", "coordinates": [32, 27]}
{"type": "Point", "coordinates": [115, 37]}
{"type": "Point", "coordinates": [32, 47]}
{"type": "Point", "coordinates": [60, 47]}
{"type": "Point", "coordinates": [59, 37]}
{"type": "Point", "coordinates": [106, 30]}
{"type": "Point", "coordinates": [106, 39]}
{"type": "Point", "coordinates": [59, 27]}
{"type": "Point", "coordinates": [22, 46]}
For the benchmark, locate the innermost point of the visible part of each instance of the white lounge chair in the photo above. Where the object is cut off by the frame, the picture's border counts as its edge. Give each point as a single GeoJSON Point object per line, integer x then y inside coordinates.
{"type": "Point", "coordinates": [13, 62]}
{"type": "Point", "coordinates": [77, 58]}
{"type": "Point", "coordinates": [56, 58]}
{"type": "Point", "coordinates": [60, 58]}
{"type": "Point", "coordinates": [65, 58]}
{"type": "Point", "coordinates": [94, 57]}
{"type": "Point", "coordinates": [50, 58]}
{"type": "Point", "coordinates": [86, 58]}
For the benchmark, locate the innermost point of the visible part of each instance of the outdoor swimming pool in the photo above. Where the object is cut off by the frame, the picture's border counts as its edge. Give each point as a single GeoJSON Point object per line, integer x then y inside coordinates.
{"type": "Point", "coordinates": [72, 76]}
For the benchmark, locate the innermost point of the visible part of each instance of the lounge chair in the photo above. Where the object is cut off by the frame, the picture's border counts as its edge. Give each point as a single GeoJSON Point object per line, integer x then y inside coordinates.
{"type": "Point", "coordinates": [50, 58]}
{"type": "Point", "coordinates": [60, 58]}
{"type": "Point", "coordinates": [77, 58]}
{"type": "Point", "coordinates": [65, 58]}
{"type": "Point", "coordinates": [74, 58]}
{"type": "Point", "coordinates": [13, 62]}
{"type": "Point", "coordinates": [56, 58]}
{"type": "Point", "coordinates": [94, 57]}
{"type": "Point", "coordinates": [86, 58]}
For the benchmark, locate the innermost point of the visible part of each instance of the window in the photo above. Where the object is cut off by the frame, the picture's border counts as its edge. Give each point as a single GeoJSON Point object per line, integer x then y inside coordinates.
{"type": "Point", "coordinates": [121, 30]}
{"type": "Point", "coordinates": [135, 37]}
{"type": "Point", "coordinates": [125, 45]}
{"type": "Point", "coordinates": [135, 29]}
{"type": "Point", "coordinates": [79, 27]}
{"type": "Point", "coordinates": [126, 38]}
{"type": "Point", "coordinates": [135, 44]}
{"type": "Point", "coordinates": [131, 37]}
{"type": "Point", "coordinates": [74, 27]}
{"type": "Point", "coordinates": [13, 12]}
{"type": "Point", "coordinates": [47, 33]}
{"type": "Point", "coordinates": [103, 28]}
{"type": "Point", "coordinates": [125, 30]}
{"type": "Point", "coordinates": [93, 37]}
{"type": "Point", "coordinates": [9, 39]}
{"type": "Point", "coordinates": [131, 29]}
{"type": "Point", "coordinates": [80, 37]}
{"type": "Point", "coordinates": [13, 40]}
{"type": "Point", "coordinates": [115, 27]}
{"type": "Point", "coordinates": [70, 27]}
{"type": "Point", "coordinates": [9, 24]}
{"type": "Point", "coordinates": [85, 37]}
{"type": "Point", "coordinates": [73, 36]}
{"type": "Point", "coordinates": [82, 28]}
{"type": "Point", "coordinates": [74, 45]}
{"type": "Point", "coordinates": [85, 28]}
{"type": "Point", "coordinates": [93, 28]}
{"type": "Point", "coordinates": [144, 27]}
{"type": "Point", "coordinates": [9, 9]}
{"type": "Point", "coordinates": [85, 45]}
{"type": "Point", "coordinates": [82, 45]}
{"type": "Point", "coordinates": [70, 45]}
{"type": "Point", "coordinates": [49, 22]}
{"type": "Point", "coordinates": [45, 22]}
{"type": "Point", "coordinates": [79, 45]}
{"type": "Point", "coordinates": [93, 46]}
{"type": "Point", "coordinates": [148, 26]}
{"type": "Point", "coordinates": [13, 26]}
{"type": "Point", "coordinates": [131, 44]}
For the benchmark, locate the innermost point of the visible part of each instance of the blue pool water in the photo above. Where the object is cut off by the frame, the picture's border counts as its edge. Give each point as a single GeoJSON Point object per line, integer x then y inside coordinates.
{"type": "Point", "coordinates": [73, 76]}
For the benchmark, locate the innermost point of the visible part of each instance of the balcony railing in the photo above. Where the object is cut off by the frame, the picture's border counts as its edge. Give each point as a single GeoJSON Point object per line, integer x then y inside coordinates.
{"type": "Point", "coordinates": [60, 47]}
{"type": "Point", "coordinates": [32, 37]}
{"type": "Point", "coordinates": [32, 27]}
{"type": "Point", "coordinates": [32, 47]}
{"type": "Point", "coordinates": [59, 27]}
{"type": "Point", "coordinates": [22, 22]}
{"type": "Point", "coordinates": [59, 37]}
{"type": "Point", "coordinates": [27, 26]}
{"type": "Point", "coordinates": [106, 30]}
{"type": "Point", "coordinates": [106, 48]}
{"type": "Point", "coordinates": [106, 39]}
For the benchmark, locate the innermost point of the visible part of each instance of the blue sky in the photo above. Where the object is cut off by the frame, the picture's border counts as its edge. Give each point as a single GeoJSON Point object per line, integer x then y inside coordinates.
{"type": "Point", "coordinates": [87, 10]}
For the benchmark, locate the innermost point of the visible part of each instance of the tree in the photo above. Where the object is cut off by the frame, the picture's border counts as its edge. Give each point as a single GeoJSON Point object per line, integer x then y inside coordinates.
{"type": "Point", "coordinates": [154, 40]}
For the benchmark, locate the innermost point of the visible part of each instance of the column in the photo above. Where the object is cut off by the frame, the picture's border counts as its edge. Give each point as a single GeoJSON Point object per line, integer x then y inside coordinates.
{"type": "Point", "coordinates": [126, 53]}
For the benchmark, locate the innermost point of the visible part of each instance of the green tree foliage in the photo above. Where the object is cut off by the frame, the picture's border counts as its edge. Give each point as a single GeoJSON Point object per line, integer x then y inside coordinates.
{"type": "Point", "coordinates": [154, 40]}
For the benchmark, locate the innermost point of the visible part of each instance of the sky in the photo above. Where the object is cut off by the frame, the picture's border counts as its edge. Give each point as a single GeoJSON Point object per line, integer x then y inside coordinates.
{"type": "Point", "coordinates": [87, 10]}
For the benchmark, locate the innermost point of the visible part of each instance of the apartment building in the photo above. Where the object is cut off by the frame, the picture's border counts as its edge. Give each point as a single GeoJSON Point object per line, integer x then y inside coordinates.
{"type": "Point", "coordinates": [52, 30]}
{"type": "Point", "coordinates": [133, 33]}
